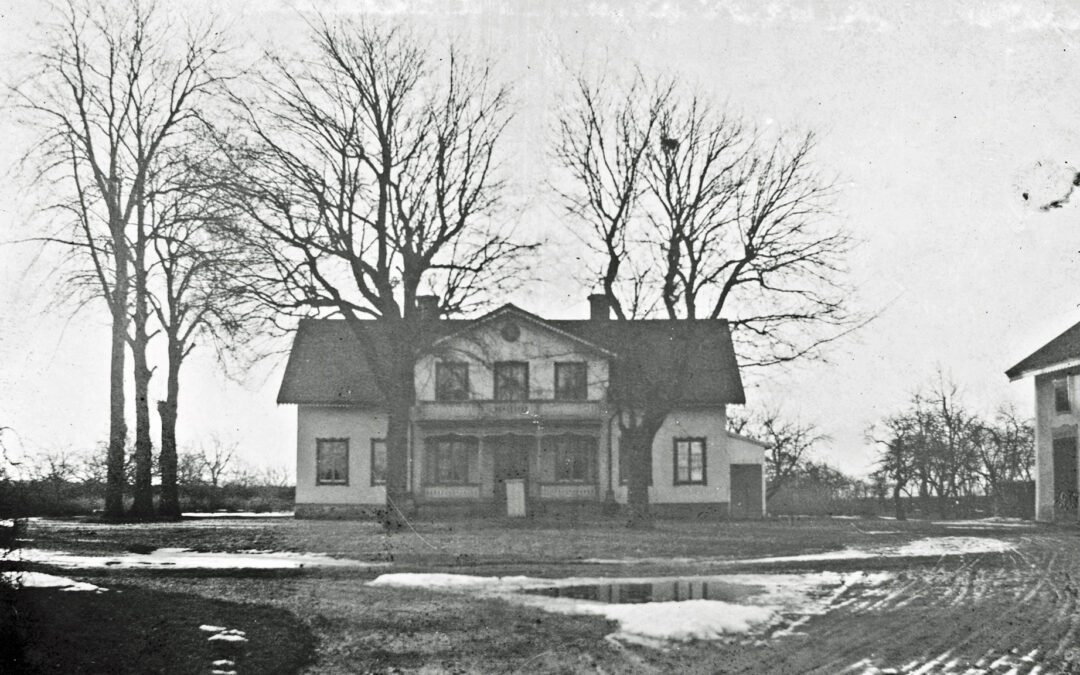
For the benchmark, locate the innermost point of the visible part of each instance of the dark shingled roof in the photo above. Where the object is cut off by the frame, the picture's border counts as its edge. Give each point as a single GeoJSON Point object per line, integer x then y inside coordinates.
{"type": "Point", "coordinates": [1063, 348]}
{"type": "Point", "coordinates": [327, 364]}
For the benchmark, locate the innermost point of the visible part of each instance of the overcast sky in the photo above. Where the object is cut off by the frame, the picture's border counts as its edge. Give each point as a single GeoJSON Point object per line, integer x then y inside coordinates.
{"type": "Point", "coordinates": [934, 116]}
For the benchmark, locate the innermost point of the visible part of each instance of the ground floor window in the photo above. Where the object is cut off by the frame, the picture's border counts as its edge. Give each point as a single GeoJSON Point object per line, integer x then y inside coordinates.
{"type": "Point", "coordinates": [568, 459]}
{"type": "Point", "coordinates": [453, 460]}
{"type": "Point", "coordinates": [689, 461]}
{"type": "Point", "coordinates": [378, 461]}
{"type": "Point", "coordinates": [331, 461]}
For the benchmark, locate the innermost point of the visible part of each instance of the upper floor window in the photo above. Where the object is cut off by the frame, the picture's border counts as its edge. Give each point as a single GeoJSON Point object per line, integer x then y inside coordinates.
{"type": "Point", "coordinates": [451, 381]}
{"type": "Point", "coordinates": [511, 381]}
{"type": "Point", "coordinates": [571, 383]}
{"type": "Point", "coordinates": [331, 461]}
{"type": "Point", "coordinates": [1062, 402]}
{"type": "Point", "coordinates": [689, 461]}
{"type": "Point", "coordinates": [378, 461]}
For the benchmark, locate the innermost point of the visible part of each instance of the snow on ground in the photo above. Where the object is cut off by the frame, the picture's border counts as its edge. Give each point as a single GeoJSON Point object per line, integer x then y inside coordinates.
{"type": "Point", "coordinates": [930, 546]}
{"type": "Point", "coordinates": [985, 523]}
{"type": "Point", "coordinates": [654, 623]}
{"type": "Point", "coordinates": [180, 558]}
{"type": "Point", "coordinates": [239, 514]}
{"type": "Point", "coordinates": [42, 580]}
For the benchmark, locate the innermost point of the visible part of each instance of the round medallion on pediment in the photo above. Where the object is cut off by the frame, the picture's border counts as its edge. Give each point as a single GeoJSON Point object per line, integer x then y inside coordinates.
{"type": "Point", "coordinates": [510, 331]}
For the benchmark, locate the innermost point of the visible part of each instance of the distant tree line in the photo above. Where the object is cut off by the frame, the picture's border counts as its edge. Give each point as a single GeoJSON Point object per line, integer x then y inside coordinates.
{"type": "Point", "coordinates": [209, 477]}
{"type": "Point", "coordinates": [936, 448]}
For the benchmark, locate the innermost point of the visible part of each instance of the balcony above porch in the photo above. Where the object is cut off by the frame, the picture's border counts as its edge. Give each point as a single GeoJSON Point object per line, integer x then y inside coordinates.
{"type": "Point", "coordinates": [509, 411]}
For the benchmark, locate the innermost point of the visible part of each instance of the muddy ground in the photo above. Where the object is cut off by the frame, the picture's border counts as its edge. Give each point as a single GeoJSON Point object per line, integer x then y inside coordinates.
{"type": "Point", "coordinates": [1011, 612]}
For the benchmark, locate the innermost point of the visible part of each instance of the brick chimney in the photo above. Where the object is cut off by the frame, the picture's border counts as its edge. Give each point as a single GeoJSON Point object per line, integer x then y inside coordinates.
{"type": "Point", "coordinates": [599, 308]}
{"type": "Point", "coordinates": [427, 306]}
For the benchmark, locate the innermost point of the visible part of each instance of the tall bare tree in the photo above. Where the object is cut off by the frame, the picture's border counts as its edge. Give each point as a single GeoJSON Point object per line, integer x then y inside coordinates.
{"type": "Point", "coordinates": [788, 441]}
{"type": "Point", "coordinates": [692, 217]}
{"type": "Point", "coordinates": [195, 295]}
{"type": "Point", "coordinates": [117, 84]}
{"type": "Point", "coordinates": [369, 177]}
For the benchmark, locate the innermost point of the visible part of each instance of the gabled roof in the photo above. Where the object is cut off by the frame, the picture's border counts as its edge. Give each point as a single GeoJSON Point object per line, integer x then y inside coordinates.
{"type": "Point", "coordinates": [327, 365]}
{"type": "Point", "coordinates": [512, 309]}
{"type": "Point", "coordinates": [1061, 352]}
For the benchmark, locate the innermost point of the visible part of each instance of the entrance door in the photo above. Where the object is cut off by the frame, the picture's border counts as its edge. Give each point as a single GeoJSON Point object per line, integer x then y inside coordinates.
{"type": "Point", "coordinates": [1065, 488]}
{"type": "Point", "coordinates": [511, 459]}
{"type": "Point", "coordinates": [746, 491]}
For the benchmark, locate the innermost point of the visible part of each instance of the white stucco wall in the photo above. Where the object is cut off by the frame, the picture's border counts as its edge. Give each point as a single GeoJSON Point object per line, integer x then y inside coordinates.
{"type": "Point", "coordinates": [540, 347]}
{"type": "Point", "coordinates": [747, 451]}
{"type": "Point", "coordinates": [720, 453]}
{"type": "Point", "coordinates": [1047, 419]}
{"type": "Point", "coordinates": [357, 425]}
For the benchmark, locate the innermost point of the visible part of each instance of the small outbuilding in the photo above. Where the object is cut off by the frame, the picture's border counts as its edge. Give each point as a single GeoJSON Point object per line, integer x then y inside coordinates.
{"type": "Point", "coordinates": [1055, 370]}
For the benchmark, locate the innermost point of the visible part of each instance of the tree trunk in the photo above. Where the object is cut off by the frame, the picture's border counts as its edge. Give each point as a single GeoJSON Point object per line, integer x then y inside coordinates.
{"type": "Point", "coordinates": [169, 506]}
{"type": "Point", "coordinates": [114, 461]}
{"type": "Point", "coordinates": [143, 504]}
{"type": "Point", "coordinates": [898, 501]}
{"type": "Point", "coordinates": [639, 442]}
{"type": "Point", "coordinates": [400, 399]}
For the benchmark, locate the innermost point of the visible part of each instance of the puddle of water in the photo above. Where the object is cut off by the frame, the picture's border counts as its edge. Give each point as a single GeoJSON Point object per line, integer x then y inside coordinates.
{"type": "Point", "coordinates": [678, 590]}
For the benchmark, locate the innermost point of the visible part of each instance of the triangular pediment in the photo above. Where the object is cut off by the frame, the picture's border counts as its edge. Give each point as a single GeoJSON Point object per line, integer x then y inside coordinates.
{"type": "Point", "coordinates": [510, 321]}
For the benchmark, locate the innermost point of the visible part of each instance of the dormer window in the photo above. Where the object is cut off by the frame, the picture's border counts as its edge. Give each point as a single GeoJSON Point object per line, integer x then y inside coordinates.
{"type": "Point", "coordinates": [1062, 402]}
{"type": "Point", "coordinates": [571, 382]}
{"type": "Point", "coordinates": [451, 381]}
{"type": "Point", "coordinates": [511, 381]}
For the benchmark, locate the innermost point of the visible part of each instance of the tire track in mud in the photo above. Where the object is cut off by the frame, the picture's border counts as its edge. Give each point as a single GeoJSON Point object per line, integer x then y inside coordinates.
{"type": "Point", "coordinates": [1016, 612]}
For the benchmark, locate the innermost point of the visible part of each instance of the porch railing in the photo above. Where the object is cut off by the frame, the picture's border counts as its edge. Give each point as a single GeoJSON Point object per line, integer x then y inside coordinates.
{"type": "Point", "coordinates": [468, 411]}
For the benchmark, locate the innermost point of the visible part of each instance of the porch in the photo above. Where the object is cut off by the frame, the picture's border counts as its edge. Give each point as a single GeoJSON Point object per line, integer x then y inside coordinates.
{"type": "Point", "coordinates": [469, 468]}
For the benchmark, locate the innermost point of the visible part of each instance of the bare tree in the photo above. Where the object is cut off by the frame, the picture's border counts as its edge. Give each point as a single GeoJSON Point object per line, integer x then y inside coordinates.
{"type": "Point", "coordinates": [216, 459]}
{"type": "Point", "coordinates": [369, 177]}
{"type": "Point", "coordinates": [897, 436]}
{"type": "Point", "coordinates": [686, 212]}
{"type": "Point", "coordinates": [788, 441]}
{"type": "Point", "coordinates": [1006, 452]}
{"type": "Point", "coordinates": [194, 294]}
{"type": "Point", "coordinates": [937, 448]}
{"type": "Point", "coordinates": [117, 84]}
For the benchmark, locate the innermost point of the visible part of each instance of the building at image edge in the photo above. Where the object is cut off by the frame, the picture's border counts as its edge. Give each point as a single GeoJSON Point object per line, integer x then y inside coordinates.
{"type": "Point", "coordinates": [1055, 371]}
{"type": "Point", "coordinates": [513, 399]}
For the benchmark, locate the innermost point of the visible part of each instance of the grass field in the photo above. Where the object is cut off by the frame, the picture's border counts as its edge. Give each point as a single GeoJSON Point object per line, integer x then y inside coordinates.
{"type": "Point", "coordinates": [1013, 609]}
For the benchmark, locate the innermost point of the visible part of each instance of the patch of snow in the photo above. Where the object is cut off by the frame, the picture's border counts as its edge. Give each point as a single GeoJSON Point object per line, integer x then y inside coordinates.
{"type": "Point", "coordinates": [653, 623]}
{"type": "Point", "coordinates": [222, 634]}
{"type": "Point", "coordinates": [227, 637]}
{"type": "Point", "coordinates": [239, 514]}
{"type": "Point", "coordinates": [182, 558]}
{"type": "Point", "coordinates": [985, 523]}
{"type": "Point", "coordinates": [451, 581]}
{"type": "Point", "coordinates": [930, 546]}
{"type": "Point", "coordinates": [42, 580]}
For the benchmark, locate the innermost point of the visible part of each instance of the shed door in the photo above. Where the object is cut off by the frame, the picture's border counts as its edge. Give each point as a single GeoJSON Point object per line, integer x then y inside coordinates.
{"type": "Point", "coordinates": [1065, 487]}
{"type": "Point", "coordinates": [746, 491]}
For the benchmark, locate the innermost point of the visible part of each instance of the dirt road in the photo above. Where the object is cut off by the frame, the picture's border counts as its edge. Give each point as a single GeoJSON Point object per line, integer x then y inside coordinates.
{"type": "Point", "coordinates": [994, 613]}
